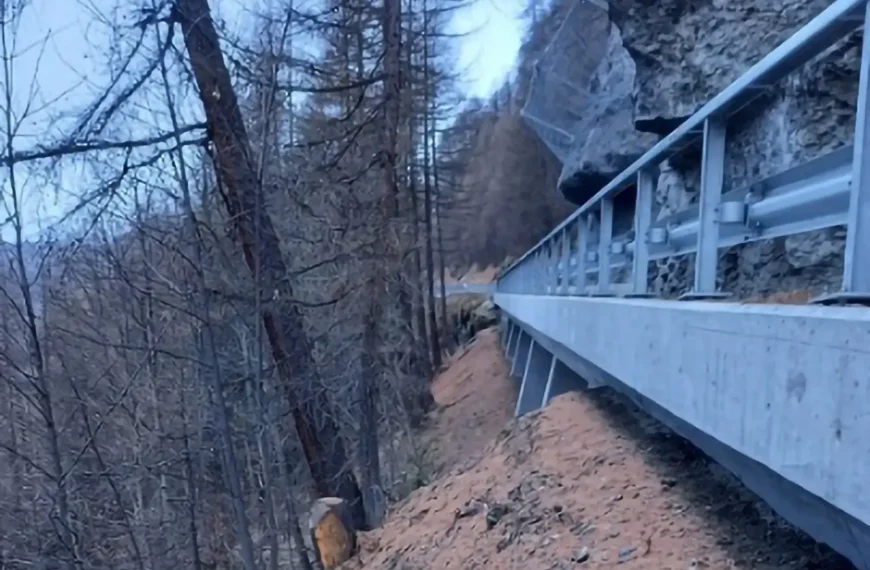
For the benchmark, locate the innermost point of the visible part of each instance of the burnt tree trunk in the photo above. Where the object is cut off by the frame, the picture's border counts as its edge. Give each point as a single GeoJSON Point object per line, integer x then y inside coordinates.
{"type": "Point", "coordinates": [321, 442]}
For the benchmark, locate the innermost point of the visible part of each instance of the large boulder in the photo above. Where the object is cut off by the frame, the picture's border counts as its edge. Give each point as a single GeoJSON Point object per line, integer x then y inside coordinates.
{"type": "Point", "coordinates": [606, 142]}
{"type": "Point", "coordinates": [580, 102]}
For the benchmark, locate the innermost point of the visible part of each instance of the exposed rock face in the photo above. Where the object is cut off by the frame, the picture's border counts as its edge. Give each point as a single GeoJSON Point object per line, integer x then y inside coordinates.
{"type": "Point", "coordinates": [686, 51]}
{"type": "Point", "coordinates": [583, 86]}
{"type": "Point", "coordinates": [677, 54]}
{"type": "Point", "coordinates": [607, 142]}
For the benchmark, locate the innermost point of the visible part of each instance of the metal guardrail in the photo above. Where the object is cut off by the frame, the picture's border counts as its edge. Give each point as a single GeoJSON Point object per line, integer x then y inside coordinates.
{"type": "Point", "coordinates": [831, 190]}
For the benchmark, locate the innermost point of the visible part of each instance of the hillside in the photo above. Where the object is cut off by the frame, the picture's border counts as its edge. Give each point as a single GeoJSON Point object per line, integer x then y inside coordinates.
{"type": "Point", "coordinates": [589, 480]}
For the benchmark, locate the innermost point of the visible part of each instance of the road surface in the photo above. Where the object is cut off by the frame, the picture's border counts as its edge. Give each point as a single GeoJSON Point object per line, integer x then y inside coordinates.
{"type": "Point", "coordinates": [465, 288]}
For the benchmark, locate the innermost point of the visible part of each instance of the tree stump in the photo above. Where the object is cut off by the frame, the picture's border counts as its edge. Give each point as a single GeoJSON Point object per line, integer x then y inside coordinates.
{"type": "Point", "coordinates": [332, 534]}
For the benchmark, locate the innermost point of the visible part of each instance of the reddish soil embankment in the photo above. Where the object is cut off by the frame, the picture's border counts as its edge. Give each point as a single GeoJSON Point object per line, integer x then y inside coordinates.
{"type": "Point", "coordinates": [588, 482]}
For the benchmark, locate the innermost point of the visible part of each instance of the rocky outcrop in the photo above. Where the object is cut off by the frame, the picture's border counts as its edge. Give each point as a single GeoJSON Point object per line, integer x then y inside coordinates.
{"type": "Point", "coordinates": [606, 141]}
{"type": "Point", "coordinates": [677, 54]}
{"type": "Point", "coordinates": [583, 86]}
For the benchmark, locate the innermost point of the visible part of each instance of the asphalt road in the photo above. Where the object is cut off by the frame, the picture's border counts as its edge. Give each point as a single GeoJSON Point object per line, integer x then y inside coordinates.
{"type": "Point", "coordinates": [464, 288]}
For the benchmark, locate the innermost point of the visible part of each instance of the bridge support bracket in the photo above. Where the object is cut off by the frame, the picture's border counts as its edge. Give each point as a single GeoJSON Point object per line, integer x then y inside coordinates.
{"type": "Point", "coordinates": [562, 380]}
{"type": "Point", "coordinates": [522, 348]}
{"type": "Point", "coordinates": [539, 365]}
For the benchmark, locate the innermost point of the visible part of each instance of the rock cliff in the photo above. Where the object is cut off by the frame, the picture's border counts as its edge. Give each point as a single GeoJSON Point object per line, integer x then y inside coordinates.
{"type": "Point", "coordinates": [663, 60]}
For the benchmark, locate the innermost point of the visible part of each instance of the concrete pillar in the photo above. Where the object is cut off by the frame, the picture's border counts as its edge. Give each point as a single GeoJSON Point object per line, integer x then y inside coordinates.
{"type": "Point", "coordinates": [562, 380]}
{"type": "Point", "coordinates": [521, 354]}
{"type": "Point", "coordinates": [538, 365]}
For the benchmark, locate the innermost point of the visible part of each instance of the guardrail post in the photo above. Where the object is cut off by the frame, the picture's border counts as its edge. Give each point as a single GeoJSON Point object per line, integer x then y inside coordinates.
{"type": "Point", "coordinates": [557, 262]}
{"type": "Point", "coordinates": [604, 241]}
{"type": "Point", "coordinates": [545, 270]}
{"type": "Point", "coordinates": [558, 257]}
{"type": "Point", "coordinates": [522, 279]}
{"type": "Point", "coordinates": [856, 257]}
{"type": "Point", "coordinates": [642, 219]}
{"type": "Point", "coordinates": [582, 246]}
{"type": "Point", "coordinates": [548, 260]}
{"type": "Point", "coordinates": [566, 261]}
{"type": "Point", "coordinates": [555, 259]}
{"type": "Point", "coordinates": [534, 269]}
{"type": "Point", "coordinates": [712, 181]}
{"type": "Point", "coordinates": [531, 272]}
{"type": "Point", "coordinates": [531, 269]}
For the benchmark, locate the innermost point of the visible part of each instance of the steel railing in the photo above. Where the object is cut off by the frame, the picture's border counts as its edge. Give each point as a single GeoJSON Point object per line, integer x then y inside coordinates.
{"type": "Point", "coordinates": [828, 191]}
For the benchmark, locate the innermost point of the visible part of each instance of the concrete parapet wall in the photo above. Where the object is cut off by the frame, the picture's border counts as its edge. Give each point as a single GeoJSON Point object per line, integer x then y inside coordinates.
{"type": "Point", "coordinates": [785, 387]}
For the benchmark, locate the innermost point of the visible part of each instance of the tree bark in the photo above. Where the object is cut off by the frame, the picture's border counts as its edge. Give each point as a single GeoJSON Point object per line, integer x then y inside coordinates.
{"type": "Point", "coordinates": [418, 286]}
{"type": "Point", "coordinates": [387, 240]}
{"type": "Point", "coordinates": [427, 199]}
{"type": "Point", "coordinates": [440, 234]}
{"type": "Point", "coordinates": [324, 449]}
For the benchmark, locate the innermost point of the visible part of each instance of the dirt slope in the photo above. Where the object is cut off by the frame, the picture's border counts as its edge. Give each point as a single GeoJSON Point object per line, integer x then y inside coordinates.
{"type": "Point", "coordinates": [589, 482]}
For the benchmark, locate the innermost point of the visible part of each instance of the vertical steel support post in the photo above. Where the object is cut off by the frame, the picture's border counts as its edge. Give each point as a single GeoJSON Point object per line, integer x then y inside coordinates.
{"type": "Point", "coordinates": [523, 274]}
{"type": "Point", "coordinates": [604, 241]}
{"type": "Point", "coordinates": [856, 257]}
{"type": "Point", "coordinates": [555, 258]}
{"type": "Point", "coordinates": [557, 262]}
{"type": "Point", "coordinates": [582, 246]}
{"type": "Point", "coordinates": [546, 399]}
{"type": "Point", "coordinates": [533, 271]}
{"type": "Point", "coordinates": [548, 264]}
{"type": "Point", "coordinates": [712, 182]}
{"type": "Point", "coordinates": [565, 261]}
{"type": "Point", "coordinates": [642, 220]}
{"type": "Point", "coordinates": [525, 374]}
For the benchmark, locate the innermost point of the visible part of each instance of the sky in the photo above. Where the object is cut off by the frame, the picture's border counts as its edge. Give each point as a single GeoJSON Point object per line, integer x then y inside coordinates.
{"type": "Point", "coordinates": [61, 49]}
{"type": "Point", "coordinates": [65, 68]}
{"type": "Point", "coordinates": [487, 53]}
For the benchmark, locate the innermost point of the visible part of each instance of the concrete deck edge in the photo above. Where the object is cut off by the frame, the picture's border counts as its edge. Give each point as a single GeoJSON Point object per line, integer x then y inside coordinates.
{"type": "Point", "coordinates": [784, 385]}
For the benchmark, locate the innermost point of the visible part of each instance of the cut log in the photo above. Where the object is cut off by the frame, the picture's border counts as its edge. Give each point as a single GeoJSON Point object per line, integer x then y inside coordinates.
{"type": "Point", "coordinates": [332, 533]}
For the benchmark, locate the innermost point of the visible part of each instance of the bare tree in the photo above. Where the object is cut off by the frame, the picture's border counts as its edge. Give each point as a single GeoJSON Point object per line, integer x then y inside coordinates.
{"type": "Point", "coordinates": [324, 450]}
